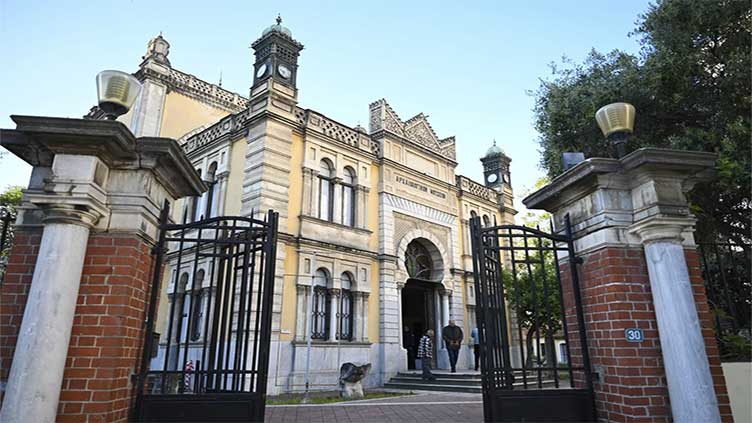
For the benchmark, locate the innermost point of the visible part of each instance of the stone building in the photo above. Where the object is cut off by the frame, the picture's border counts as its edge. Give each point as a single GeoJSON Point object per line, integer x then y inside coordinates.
{"type": "Point", "coordinates": [381, 208]}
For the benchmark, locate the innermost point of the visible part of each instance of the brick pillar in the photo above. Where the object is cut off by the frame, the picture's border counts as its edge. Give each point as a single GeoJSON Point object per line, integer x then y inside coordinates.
{"type": "Point", "coordinates": [619, 210]}
{"type": "Point", "coordinates": [79, 276]}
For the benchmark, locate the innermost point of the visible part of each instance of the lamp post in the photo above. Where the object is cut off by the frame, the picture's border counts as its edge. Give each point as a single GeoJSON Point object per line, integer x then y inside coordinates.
{"type": "Point", "coordinates": [616, 121]}
{"type": "Point", "coordinates": [116, 91]}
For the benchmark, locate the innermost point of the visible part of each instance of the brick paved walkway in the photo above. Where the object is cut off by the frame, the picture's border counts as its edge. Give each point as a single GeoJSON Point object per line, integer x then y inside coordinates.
{"type": "Point", "coordinates": [423, 407]}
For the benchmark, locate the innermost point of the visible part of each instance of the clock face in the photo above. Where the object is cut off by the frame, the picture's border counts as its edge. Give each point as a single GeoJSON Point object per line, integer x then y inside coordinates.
{"type": "Point", "coordinates": [261, 71]}
{"type": "Point", "coordinates": [492, 178]}
{"type": "Point", "coordinates": [284, 72]}
{"type": "Point", "coordinates": [506, 177]}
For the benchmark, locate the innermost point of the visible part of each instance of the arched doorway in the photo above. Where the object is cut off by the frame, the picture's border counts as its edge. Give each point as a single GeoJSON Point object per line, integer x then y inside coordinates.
{"type": "Point", "coordinates": [420, 304]}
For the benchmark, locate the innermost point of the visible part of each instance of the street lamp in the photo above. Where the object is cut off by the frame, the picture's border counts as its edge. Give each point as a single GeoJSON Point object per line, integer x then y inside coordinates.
{"type": "Point", "coordinates": [616, 121]}
{"type": "Point", "coordinates": [116, 92]}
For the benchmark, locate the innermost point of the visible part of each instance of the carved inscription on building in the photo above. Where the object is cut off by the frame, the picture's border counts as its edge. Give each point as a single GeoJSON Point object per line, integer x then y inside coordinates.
{"type": "Point", "coordinates": [420, 187]}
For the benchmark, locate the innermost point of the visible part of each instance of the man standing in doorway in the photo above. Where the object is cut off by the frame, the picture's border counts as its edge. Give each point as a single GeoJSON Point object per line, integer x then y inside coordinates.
{"type": "Point", "coordinates": [476, 346]}
{"type": "Point", "coordinates": [452, 335]}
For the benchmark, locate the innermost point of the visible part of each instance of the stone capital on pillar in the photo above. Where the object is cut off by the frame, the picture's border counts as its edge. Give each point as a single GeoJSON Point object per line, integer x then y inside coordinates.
{"type": "Point", "coordinates": [607, 199]}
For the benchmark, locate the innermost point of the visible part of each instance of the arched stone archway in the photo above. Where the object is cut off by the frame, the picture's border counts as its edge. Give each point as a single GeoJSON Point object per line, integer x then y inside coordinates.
{"type": "Point", "coordinates": [438, 253]}
{"type": "Point", "coordinates": [424, 299]}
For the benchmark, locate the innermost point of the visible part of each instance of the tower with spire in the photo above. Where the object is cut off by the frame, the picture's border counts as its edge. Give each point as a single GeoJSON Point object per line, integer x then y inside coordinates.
{"type": "Point", "coordinates": [276, 56]}
{"type": "Point", "coordinates": [496, 168]}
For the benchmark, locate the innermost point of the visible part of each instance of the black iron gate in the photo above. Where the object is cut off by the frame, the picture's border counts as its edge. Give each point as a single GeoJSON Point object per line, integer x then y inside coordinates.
{"type": "Point", "coordinates": [210, 362]}
{"type": "Point", "coordinates": [534, 358]}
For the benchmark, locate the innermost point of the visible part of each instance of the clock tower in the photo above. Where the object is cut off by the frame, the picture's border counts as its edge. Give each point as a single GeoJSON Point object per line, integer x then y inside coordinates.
{"type": "Point", "coordinates": [496, 168]}
{"type": "Point", "coordinates": [276, 56]}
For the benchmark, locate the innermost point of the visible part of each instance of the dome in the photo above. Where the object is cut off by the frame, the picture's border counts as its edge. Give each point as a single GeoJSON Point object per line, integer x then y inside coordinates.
{"type": "Point", "coordinates": [494, 150]}
{"type": "Point", "coordinates": [277, 28]}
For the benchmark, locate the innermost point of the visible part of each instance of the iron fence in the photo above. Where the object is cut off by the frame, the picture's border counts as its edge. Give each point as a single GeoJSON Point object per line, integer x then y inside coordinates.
{"type": "Point", "coordinates": [726, 269]}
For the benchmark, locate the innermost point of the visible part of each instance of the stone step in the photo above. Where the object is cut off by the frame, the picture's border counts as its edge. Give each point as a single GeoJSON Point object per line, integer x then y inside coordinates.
{"type": "Point", "coordinates": [431, 387]}
{"type": "Point", "coordinates": [459, 376]}
{"type": "Point", "coordinates": [440, 380]}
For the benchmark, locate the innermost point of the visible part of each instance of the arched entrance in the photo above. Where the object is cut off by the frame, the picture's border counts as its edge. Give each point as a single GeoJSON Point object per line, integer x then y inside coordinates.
{"type": "Point", "coordinates": [420, 303]}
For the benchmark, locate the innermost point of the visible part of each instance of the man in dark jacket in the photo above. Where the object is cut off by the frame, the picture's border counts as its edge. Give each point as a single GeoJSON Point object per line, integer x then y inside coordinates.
{"type": "Point", "coordinates": [452, 335]}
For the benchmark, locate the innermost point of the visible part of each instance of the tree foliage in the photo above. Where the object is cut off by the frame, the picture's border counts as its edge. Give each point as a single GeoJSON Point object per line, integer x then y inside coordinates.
{"type": "Point", "coordinates": [532, 292]}
{"type": "Point", "coordinates": [691, 87]}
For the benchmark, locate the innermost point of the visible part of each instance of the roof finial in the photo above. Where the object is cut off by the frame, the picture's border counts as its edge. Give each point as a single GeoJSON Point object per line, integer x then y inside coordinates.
{"type": "Point", "coordinates": [279, 19]}
{"type": "Point", "coordinates": [494, 140]}
{"type": "Point", "coordinates": [220, 77]}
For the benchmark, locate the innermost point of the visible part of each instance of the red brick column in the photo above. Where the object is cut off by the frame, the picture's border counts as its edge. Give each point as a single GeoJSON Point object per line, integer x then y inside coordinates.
{"type": "Point", "coordinates": [708, 332]}
{"type": "Point", "coordinates": [107, 336]}
{"type": "Point", "coordinates": [631, 382]}
{"type": "Point", "coordinates": [13, 293]}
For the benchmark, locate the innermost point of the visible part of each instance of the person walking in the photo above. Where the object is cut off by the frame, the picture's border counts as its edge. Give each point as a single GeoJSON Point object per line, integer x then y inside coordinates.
{"type": "Point", "coordinates": [425, 353]}
{"type": "Point", "coordinates": [475, 338]}
{"type": "Point", "coordinates": [452, 335]}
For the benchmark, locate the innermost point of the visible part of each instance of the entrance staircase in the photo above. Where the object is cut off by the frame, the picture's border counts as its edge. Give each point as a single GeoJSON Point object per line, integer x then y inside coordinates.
{"type": "Point", "coordinates": [451, 382]}
{"type": "Point", "coordinates": [463, 381]}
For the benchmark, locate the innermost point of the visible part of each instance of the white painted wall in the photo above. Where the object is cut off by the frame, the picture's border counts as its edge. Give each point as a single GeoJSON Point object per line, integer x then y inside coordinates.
{"type": "Point", "coordinates": [739, 385]}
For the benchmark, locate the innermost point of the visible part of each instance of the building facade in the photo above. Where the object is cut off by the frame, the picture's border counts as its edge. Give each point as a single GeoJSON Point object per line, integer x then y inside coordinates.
{"type": "Point", "coordinates": [376, 219]}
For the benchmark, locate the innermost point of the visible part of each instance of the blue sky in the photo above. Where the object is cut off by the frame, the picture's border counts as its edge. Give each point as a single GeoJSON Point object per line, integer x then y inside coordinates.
{"type": "Point", "coordinates": [467, 65]}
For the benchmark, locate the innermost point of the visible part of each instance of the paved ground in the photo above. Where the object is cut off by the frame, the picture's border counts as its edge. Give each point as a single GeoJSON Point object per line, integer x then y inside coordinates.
{"type": "Point", "coordinates": [423, 407]}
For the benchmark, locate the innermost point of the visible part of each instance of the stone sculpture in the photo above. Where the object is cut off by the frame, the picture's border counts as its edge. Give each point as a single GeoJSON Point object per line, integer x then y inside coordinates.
{"type": "Point", "coordinates": [350, 377]}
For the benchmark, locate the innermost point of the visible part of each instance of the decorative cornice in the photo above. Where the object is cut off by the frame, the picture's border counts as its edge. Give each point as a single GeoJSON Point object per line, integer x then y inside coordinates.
{"type": "Point", "coordinates": [198, 89]}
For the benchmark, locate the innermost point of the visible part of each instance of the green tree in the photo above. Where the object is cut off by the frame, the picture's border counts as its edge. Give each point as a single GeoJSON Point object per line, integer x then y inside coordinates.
{"type": "Point", "coordinates": [532, 292]}
{"type": "Point", "coordinates": [691, 87]}
{"type": "Point", "coordinates": [9, 200]}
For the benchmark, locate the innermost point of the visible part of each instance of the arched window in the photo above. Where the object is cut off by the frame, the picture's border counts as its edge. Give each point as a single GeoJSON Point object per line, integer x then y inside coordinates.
{"type": "Point", "coordinates": [345, 319]}
{"type": "Point", "coordinates": [196, 210]}
{"type": "Point", "coordinates": [196, 306]}
{"type": "Point", "coordinates": [418, 261]}
{"type": "Point", "coordinates": [326, 190]}
{"type": "Point", "coordinates": [486, 220]}
{"type": "Point", "coordinates": [320, 315]}
{"type": "Point", "coordinates": [473, 214]}
{"type": "Point", "coordinates": [212, 196]}
{"type": "Point", "coordinates": [348, 197]}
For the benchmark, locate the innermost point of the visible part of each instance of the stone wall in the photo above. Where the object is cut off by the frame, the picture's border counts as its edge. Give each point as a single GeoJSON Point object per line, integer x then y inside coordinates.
{"type": "Point", "coordinates": [13, 293]}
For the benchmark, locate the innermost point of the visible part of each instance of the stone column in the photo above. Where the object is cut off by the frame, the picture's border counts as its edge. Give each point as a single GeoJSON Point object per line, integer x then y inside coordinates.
{"type": "Point", "coordinates": [333, 314]}
{"type": "Point", "coordinates": [632, 228]}
{"type": "Point", "coordinates": [48, 318]}
{"type": "Point", "coordinates": [679, 329]}
{"type": "Point", "coordinates": [365, 318]}
{"type": "Point", "coordinates": [302, 312]}
{"type": "Point", "coordinates": [445, 308]}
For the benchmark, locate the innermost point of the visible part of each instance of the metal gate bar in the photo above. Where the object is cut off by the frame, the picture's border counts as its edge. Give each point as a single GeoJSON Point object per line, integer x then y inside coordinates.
{"type": "Point", "coordinates": [213, 363]}
{"type": "Point", "coordinates": [537, 385]}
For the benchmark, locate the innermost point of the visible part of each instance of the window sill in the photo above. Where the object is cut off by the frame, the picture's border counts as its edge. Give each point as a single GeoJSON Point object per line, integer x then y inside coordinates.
{"type": "Point", "coordinates": [334, 224]}
{"type": "Point", "coordinates": [332, 344]}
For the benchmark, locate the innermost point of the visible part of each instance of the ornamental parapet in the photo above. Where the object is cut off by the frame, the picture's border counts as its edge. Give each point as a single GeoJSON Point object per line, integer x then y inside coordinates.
{"type": "Point", "coordinates": [466, 184]}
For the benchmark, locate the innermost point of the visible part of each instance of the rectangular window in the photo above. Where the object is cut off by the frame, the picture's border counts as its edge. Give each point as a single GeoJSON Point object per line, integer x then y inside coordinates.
{"type": "Point", "coordinates": [563, 353]}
